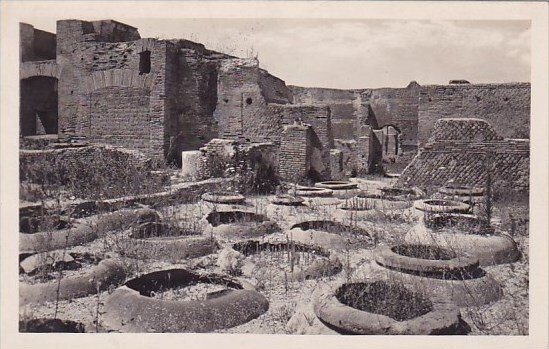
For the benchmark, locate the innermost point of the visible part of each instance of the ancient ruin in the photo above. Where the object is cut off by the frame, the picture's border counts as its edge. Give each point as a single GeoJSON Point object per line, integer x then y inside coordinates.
{"type": "Point", "coordinates": [172, 188]}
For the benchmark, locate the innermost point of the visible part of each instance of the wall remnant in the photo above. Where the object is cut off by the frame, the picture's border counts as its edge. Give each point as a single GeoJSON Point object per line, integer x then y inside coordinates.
{"type": "Point", "coordinates": [464, 151]}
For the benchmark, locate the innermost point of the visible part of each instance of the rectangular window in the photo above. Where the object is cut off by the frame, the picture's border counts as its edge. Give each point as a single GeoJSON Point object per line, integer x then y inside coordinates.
{"type": "Point", "coordinates": [145, 62]}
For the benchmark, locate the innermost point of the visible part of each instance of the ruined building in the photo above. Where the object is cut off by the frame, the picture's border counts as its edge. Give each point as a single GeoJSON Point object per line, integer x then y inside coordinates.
{"type": "Point", "coordinates": [100, 81]}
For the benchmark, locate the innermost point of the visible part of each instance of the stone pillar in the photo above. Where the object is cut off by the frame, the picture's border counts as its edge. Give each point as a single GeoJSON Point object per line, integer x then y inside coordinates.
{"type": "Point", "coordinates": [295, 153]}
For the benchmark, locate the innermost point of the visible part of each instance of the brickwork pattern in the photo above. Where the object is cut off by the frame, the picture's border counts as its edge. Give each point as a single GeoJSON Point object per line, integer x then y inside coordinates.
{"type": "Point", "coordinates": [295, 153]}
{"type": "Point", "coordinates": [505, 106]}
{"type": "Point", "coordinates": [467, 161]}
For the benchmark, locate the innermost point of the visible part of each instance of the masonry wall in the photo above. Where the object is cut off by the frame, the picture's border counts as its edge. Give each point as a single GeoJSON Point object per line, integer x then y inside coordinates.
{"type": "Point", "coordinates": [35, 44]}
{"type": "Point", "coordinates": [344, 105]}
{"type": "Point", "coordinates": [505, 106]}
{"type": "Point", "coordinates": [244, 92]}
{"type": "Point", "coordinates": [193, 102]}
{"type": "Point", "coordinates": [295, 154]}
{"type": "Point", "coordinates": [397, 107]}
{"type": "Point", "coordinates": [103, 95]}
{"type": "Point", "coordinates": [463, 151]}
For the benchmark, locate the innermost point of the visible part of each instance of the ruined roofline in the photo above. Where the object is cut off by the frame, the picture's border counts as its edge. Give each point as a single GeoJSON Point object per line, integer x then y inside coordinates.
{"type": "Point", "coordinates": [483, 84]}
{"type": "Point", "coordinates": [469, 85]}
{"type": "Point", "coordinates": [36, 29]}
{"type": "Point", "coordinates": [355, 90]}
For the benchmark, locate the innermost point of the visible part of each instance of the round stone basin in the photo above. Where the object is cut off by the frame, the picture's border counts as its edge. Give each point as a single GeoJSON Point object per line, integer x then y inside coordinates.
{"type": "Point", "coordinates": [239, 224]}
{"type": "Point", "coordinates": [466, 223]}
{"type": "Point", "coordinates": [330, 235]}
{"type": "Point", "coordinates": [442, 206]}
{"type": "Point", "coordinates": [430, 261]}
{"type": "Point", "coordinates": [287, 200]}
{"type": "Point", "coordinates": [290, 261]}
{"type": "Point", "coordinates": [223, 198]}
{"type": "Point", "coordinates": [336, 185]}
{"type": "Point", "coordinates": [50, 325]}
{"type": "Point", "coordinates": [386, 307]}
{"type": "Point", "coordinates": [461, 190]}
{"type": "Point", "coordinates": [439, 272]}
{"type": "Point", "coordinates": [192, 302]}
{"type": "Point", "coordinates": [312, 191]}
{"type": "Point", "coordinates": [383, 298]}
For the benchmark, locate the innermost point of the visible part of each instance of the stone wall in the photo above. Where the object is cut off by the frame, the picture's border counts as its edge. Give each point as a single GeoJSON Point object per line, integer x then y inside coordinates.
{"type": "Point", "coordinates": [349, 156]}
{"type": "Point", "coordinates": [244, 92]}
{"type": "Point", "coordinates": [35, 44]}
{"type": "Point", "coordinates": [295, 153]}
{"type": "Point", "coordinates": [79, 169]}
{"type": "Point", "coordinates": [505, 106]}
{"type": "Point", "coordinates": [397, 107]}
{"type": "Point", "coordinates": [463, 151]}
{"type": "Point", "coordinates": [253, 165]}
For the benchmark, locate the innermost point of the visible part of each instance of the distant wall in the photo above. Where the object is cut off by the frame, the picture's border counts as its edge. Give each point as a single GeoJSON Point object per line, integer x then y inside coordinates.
{"type": "Point", "coordinates": [397, 107]}
{"type": "Point", "coordinates": [505, 106]}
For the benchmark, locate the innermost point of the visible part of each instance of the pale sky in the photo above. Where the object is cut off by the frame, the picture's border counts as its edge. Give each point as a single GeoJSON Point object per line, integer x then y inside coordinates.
{"type": "Point", "coordinates": [361, 53]}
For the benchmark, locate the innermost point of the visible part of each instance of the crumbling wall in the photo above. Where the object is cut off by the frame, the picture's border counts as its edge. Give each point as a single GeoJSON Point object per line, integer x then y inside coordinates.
{"type": "Point", "coordinates": [96, 72]}
{"type": "Point", "coordinates": [349, 156]}
{"type": "Point", "coordinates": [322, 140]}
{"type": "Point", "coordinates": [345, 106]}
{"type": "Point", "coordinates": [194, 100]}
{"type": "Point", "coordinates": [254, 166]}
{"type": "Point", "coordinates": [295, 153]}
{"type": "Point", "coordinates": [35, 44]}
{"type": "Point", "coordinates": [505, 106]}
{"type": "Point", "coordinates": [397, 107]}
{"type": "Point", "coordinates": [243, 93]}
{"type": "Point", "coordinates": [463, 151]}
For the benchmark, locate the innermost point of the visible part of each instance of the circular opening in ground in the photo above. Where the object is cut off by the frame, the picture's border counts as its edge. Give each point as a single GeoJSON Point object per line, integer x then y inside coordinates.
{"type": "Point", "coordinates": [50, 326]}
{"type": "Point", "coordinates": [223, 197]}
{"type": "Point", "coordinates": [217, 218]}
{"type": "Point", "coordinates": [424, 252]}
{"type": "Point", "coordinates": [383, 298]}
{"type": "Point", "coordinates": [182, 285]}
{"type": "Point", "coordinates": [331, 227]}
{"type": "Point", "coordinates": [287, 260]}
{"type": "Point", "coordinates": [439, 202]}
{"type": "Point", "coordinates": [288, 200]}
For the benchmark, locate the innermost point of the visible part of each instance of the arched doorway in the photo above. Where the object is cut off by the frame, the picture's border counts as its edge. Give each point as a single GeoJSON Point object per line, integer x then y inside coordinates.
{"type": "Point", "coordinates": [38, 106]}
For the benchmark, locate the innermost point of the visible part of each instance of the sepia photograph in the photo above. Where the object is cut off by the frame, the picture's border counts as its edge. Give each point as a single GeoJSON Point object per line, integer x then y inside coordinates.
{"type": "Point", "coordinates": [275, 172]}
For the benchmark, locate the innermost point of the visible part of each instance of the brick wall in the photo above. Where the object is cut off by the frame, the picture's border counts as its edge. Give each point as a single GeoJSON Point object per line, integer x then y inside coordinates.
{"type": "Point", "coordinates": [349, 156]}
{"type": "Point", "coordinates": [397, 107]}
{"type": "Point", "coordinates": [505, 106]}
{"type": "Point", "coordinates": [243, 93]}
{"type": "Point", "coordinates": [35, 44]}
{"type": "Point", "coordinates": [295, 153]}
{"type": "Point", "coordinates": [449, 158]}
{"type": "Point", "coordinates": [120, 116]}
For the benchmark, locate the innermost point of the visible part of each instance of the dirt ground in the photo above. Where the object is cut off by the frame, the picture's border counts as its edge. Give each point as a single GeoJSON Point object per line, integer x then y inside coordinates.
{"type": "Point", "coordinates": [290, 302]}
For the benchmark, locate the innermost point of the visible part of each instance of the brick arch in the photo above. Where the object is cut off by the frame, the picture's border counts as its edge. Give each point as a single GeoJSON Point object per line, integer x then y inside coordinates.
{"type": "Point", "coordinates": [118, 77]}
{"type": "Point", "coordinates": [43, 68]}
